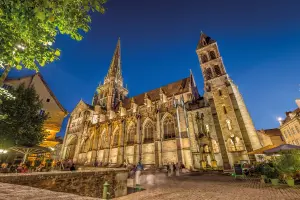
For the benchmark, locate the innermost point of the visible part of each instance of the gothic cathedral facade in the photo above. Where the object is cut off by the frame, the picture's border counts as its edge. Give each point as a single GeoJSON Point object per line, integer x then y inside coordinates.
{"type": "Point", "coordinates": [173, 123]}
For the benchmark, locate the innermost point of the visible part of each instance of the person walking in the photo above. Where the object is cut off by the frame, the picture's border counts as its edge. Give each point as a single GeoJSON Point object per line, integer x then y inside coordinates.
{"type": "Point", "coordinates": [169, 169]}
{"type": "Point", "coordinates": [139, 169]}
{"type": "Point", "coordinates": [177, 168]}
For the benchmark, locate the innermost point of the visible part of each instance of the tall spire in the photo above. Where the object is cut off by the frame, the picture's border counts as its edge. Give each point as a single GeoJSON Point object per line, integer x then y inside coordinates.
{"type": "Point", "coordinates": [204, 40]}
{"type": "Point", "coordinates": [115, 65]}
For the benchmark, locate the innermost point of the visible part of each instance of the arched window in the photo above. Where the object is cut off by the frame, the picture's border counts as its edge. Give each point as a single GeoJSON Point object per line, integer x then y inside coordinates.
{"type": "Point", "coordinates": [116, 138]}
{"type": "Point", "coordinates": [148, 132]}
{"type": "Point", "coordinates": [169, 128]}
{"type": "Point", "coordinates": [204, 58]}
{"type": "Point", "coordinates": [131, 134]}
{"type": "Point", "coordinates": [220, 92]}
{"type": "Point", "coordinates": [217, 70]}
{"type": "Point", "coordinates": [224, 109]}
{"type": "Point", "coordinates": [208, 74]}
{"type": "Point", "coordinates": [228, 124]}
{"type": "Point", "coordinates": [215, 146]}
{"type": "Point", "coordinates": [86, 145]}
{"type": "Point", "coordinates": [212, 55]}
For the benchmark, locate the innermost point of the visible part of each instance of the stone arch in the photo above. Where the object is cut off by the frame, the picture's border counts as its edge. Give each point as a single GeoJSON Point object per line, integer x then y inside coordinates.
{"type": "Point", "coordinates": [215, 146]}
{"type": "Point", "coordinates": [217, 70]}
{"type": "Point", "coordinates": [103, 139]}
{"type": "Point", "coordinates": [116, 135]}
{"type": "Point", "coordinates": [204, 58]}
{"type": "Point", "coordinates": [148, 131]}
{"type": "Point", "coordinates": [168, 124]}
{"type": "Point", "coordinates": [71, 146]}
{"type": "Point", "coordinates": [212, 55]}
{"type": "Point", "coordinates": [208, 74]}
{"type": "Point", "coordinates": [131, 134]}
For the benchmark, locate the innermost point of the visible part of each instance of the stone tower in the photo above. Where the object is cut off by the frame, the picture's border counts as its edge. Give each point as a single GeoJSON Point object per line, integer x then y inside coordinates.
{"type": "Point", "coordinates": [234, 127]}
{"type": "Point", "coordinates": [109, 94]}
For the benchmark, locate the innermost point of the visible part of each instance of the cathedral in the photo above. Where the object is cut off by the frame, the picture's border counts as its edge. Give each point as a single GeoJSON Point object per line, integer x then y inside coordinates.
{"type": "Point", "coordinates": [173, 123]}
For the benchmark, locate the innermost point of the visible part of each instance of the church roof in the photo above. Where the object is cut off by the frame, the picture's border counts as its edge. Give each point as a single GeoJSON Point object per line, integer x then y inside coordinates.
{"type": "Point", "coordinates": [175, 88]}
{"type": "Point", "coordinates": [204, 41]}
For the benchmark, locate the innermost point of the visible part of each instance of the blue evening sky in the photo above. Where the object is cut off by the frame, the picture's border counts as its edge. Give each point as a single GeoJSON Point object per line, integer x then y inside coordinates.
{"type": "Point", "coordinates": [258, 40]}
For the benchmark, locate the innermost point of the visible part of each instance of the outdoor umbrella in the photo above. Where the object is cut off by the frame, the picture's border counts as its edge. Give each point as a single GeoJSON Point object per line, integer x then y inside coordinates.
{"type": "Point", "coordinates": [30, 150]}
{"type": "Point", "coordinates": [282, 147]}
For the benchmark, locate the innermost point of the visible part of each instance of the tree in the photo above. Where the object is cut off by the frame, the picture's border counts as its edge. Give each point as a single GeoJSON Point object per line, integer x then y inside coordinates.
{"type": "Point", "coordinates": [29, 28]}
{"type": "Point", "coordinates": [4, 94]}
{"type": "Point", "coordinates": [24, 122]}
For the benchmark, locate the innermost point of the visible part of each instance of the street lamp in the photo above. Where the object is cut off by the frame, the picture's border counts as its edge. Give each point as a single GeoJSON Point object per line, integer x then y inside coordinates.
{"type": "Point", "coordinates": [279, 119]}
{"type": "Point", "coordinates": [2, 151]}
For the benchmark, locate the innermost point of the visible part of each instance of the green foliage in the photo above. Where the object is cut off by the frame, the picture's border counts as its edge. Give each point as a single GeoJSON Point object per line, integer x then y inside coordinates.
{"type": "Point", "coordinates": [288, 163]}
{"type": "Point", "coordinates": [24, 123]}
{"type": "Point", "coordinates": [4, 94]}
{"type": "Point", "coordinates": [29, 28]}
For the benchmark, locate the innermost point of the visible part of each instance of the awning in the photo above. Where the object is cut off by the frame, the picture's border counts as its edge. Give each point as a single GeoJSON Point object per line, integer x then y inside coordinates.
{"type": "Point", "coordinates": [30, 150]}
{"type": "Point", "coordinates": [282, 147]}
{"type": "Point", "coordinates": [261, 150]}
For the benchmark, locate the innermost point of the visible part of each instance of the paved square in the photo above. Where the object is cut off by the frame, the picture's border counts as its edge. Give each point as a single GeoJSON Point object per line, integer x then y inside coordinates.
{"type": "Point", "coordinates": [213, 187]}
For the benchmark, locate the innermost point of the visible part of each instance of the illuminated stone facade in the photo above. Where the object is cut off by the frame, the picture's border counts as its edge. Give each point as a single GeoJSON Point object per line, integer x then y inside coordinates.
{"type": "Point", "coordinates": [50, 104]}
{"type": "Point", "coordinates": [172, 123]}
{"type": "Point", "coordinates": [290, 126]}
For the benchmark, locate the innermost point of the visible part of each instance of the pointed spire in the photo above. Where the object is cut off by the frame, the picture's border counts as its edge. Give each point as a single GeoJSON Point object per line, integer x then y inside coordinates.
{"type": "Point", "coordinates": [204, 40]}
{"type": "Point", "coordinates": [193, 83]}
{"type": "Point", "coordinates": [115, 65]}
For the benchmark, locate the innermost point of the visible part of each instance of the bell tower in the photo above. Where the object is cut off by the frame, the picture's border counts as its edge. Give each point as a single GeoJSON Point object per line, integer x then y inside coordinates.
{"type": "Point", "coordinates": [235, 130]}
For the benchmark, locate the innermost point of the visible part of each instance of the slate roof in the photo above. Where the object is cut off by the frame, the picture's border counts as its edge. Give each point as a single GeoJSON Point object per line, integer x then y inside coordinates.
{"type": "Point", "coordinates": [175, 88]}
{"type": "Point", "coordinates": [206, 38]}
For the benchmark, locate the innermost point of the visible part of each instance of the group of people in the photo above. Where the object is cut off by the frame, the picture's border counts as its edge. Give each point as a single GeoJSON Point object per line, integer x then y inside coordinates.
{"type": "Point", "coordinates": [14, 168]}
{"type": "Point", "coordinates": [178, 167]}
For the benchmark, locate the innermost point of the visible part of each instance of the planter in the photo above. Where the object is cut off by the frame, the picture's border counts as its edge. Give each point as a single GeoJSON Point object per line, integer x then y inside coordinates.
{"type": "Point", "coordinates": [290, 182]}
{"type": "Point", "coordinates": [275, 181]}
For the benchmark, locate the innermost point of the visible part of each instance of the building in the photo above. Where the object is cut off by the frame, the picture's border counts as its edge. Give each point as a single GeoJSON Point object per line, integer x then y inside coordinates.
{"type": "Point", "coordinates": [290, 127]}
{"type": "Point", "coordinates": [172, 123]}
{"type": "Point", "coordinates": [51, 105]}
{"type": "Point", "coordinates": [272, 137]}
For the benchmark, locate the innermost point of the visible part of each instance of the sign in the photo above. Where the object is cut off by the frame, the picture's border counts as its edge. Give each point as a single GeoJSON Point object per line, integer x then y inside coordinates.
{"type": "Point", "coordinates": [238, 169]}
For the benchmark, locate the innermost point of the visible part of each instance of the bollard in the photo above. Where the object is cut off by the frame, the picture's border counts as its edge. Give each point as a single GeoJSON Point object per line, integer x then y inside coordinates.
{"type": "Point", "coordinates": [105, 190]}
{"type": "Point", "coordinates": [138, 187]}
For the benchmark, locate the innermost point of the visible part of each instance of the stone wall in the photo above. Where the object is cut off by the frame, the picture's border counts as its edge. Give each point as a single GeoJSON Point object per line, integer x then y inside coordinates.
{"type": "Point", "coordinates": [84, 183]}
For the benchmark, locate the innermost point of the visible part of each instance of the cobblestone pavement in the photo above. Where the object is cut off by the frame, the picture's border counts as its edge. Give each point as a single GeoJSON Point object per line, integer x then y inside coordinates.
{"type": "Point", "coordinates": [212, 187]}
{"type": "Point", "coordinates": [20, 192]}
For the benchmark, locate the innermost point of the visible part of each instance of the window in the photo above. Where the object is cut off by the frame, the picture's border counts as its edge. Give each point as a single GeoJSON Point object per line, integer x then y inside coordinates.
{"type": "Point", "coordinates": [169, 128]}
{"type": "Point", "coordinates": [225, 110]}
{"type": "Point", "coordinates": [116, 138]}
{"type": "Point", "coordinates": [148, 132]}
{"type": "Point", "coordinates": [212, 55]}
{"type": "Point", "coordinates": [297, 129]}
{"type": "Point", "coordinates": [207, 128]}
{"type": "Point", "coordinates": [208, 74]}
{"type": "Point", "coordinates": [292, 130]}
{"type": "Point", "coordinates": [228, 124]}
{"type": "Point", "coordinates": [7, 87]}
{"type": "Point", "coordinates": [217, 70]}
{"type": "Point", "coordinates": [204, 58]}
{"type": "Point", "coordinates": [220, 92]}
{"type": "Point", "coordinates": [131, 134]}
{"type": "Point", "coordinates": [289, 132]}
{"type": "Point", "coordinates": [42, 112]}
{"type": "Point", "coordinates": [48, 100]}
